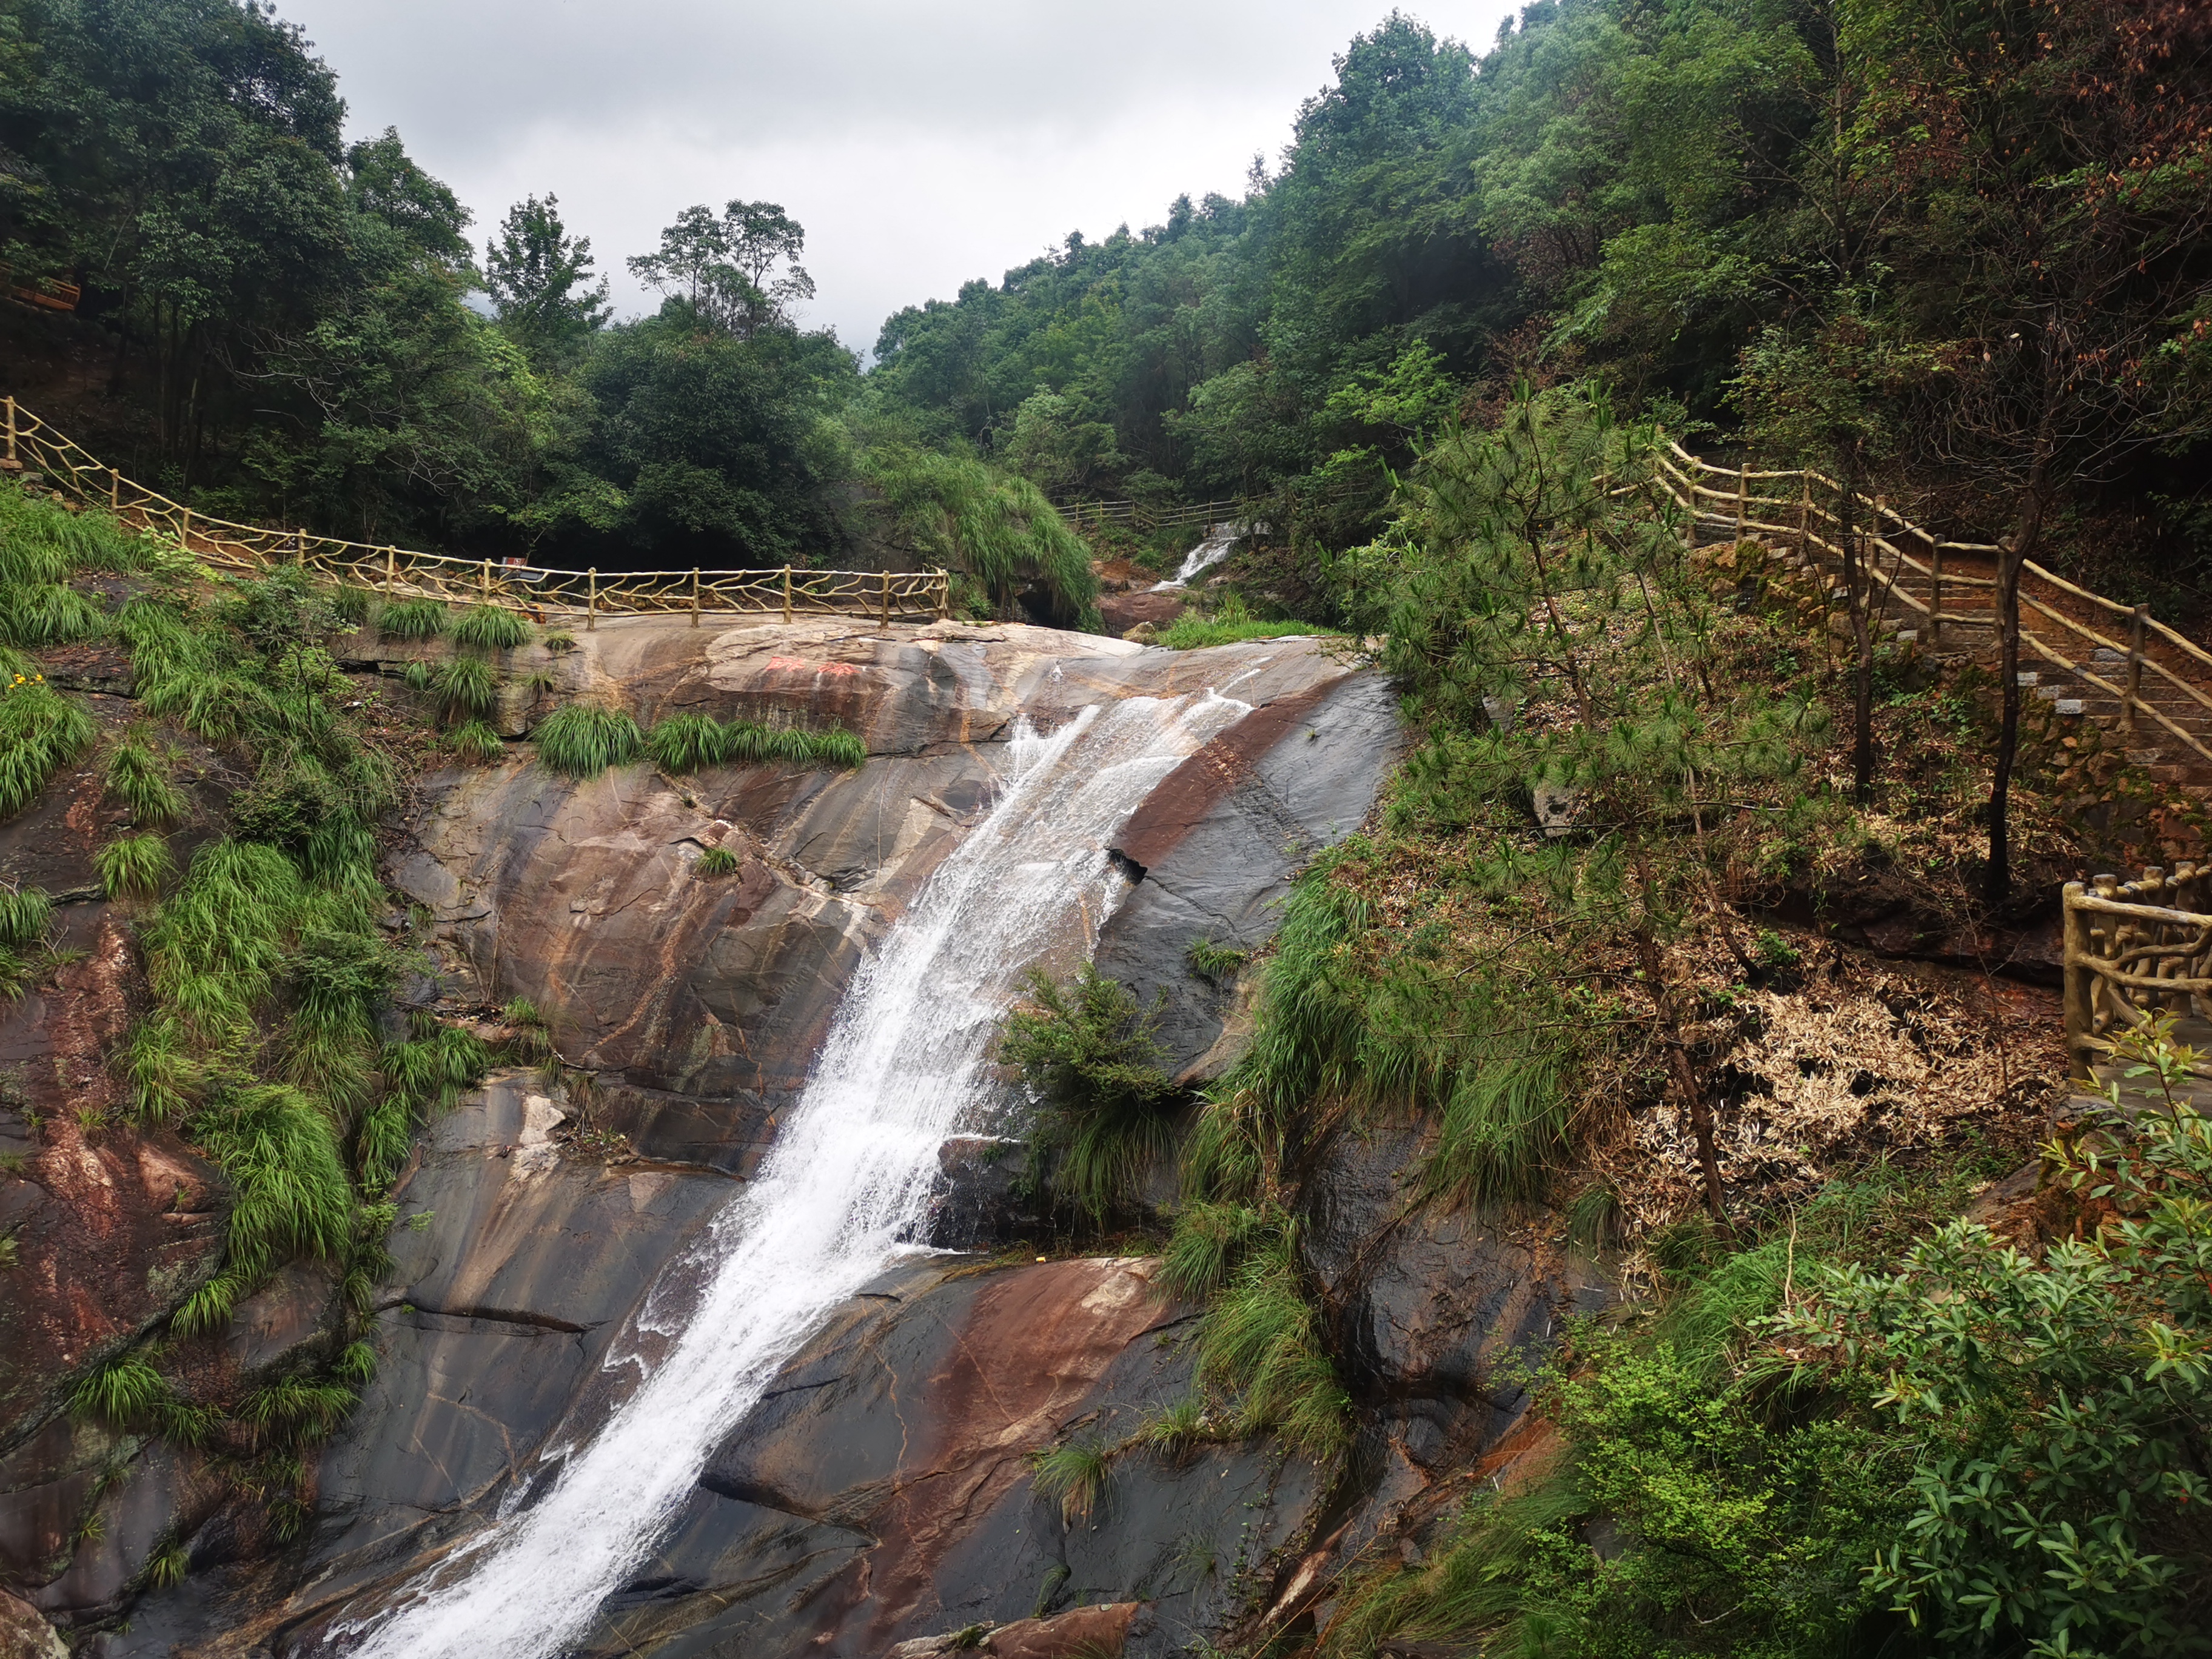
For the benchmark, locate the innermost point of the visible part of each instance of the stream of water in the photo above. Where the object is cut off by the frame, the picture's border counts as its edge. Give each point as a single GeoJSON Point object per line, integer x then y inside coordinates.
{"type": "Point", "coordinates": [904, 1067]}
{"type": "Point", "coordinates": [1211, 552]}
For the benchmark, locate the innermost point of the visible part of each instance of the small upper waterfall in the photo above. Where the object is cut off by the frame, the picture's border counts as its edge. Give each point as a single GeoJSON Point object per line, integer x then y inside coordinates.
{"type": "Point", "coordinates": [1219, 539]}
{"type": "Point", "coordinates": [904, 1064]}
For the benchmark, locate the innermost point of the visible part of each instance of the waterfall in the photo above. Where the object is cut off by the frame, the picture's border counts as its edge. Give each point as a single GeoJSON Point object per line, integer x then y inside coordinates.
{"type": "Point", "coordinates": [1219, 539]}
{"type": "Point", "coordinates": [903, 1068]}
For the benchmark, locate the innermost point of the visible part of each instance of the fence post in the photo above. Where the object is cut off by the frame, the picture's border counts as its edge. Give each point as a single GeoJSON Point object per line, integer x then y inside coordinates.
{"type": "Point", "coordinates": [1742, 490]}
{"type": "Point", "coordinates": [184, 537]}
{"type": "Point", "coordinates": [1934, 591]}
{"type": "Point", "coordinates": [2079, 983]}
{"type": "Point", "coordinates": [9, 463]}
{"type": "Point", "coordinates": [592, 599]}
{"type": "Point", "coordinates": [944, 595]}
{"type": "Point", "coordinates": [1804, 515]}
{"type": "Point", "coordinates": [787, 596]}
{"type": "Point", "coordinates": [695, 597]}
{"type": "Point", "coordinates": [300, 537]}
{"type": "Point", "coordinates": [483, 584]}
{"type": "Point", "coordinates": [2135, 669]}
{"type": "Point", "coordinates": [114, 490]}
{"type": "Point", "coordinates": [885, 603]}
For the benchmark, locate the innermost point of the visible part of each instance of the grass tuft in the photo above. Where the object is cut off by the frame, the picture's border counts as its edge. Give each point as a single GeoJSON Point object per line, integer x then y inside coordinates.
{"type": "Point", "coordinates": [476, 743]}
{"type": "Point", "coordinates": [24, 915]}
{"type": "Point", "coordinates": [1074, 1476]}
{"type": "Point", "coordinates": [490, 628]}
{"type": "Point", "coordinates": [138, 776]}
{"type": "Point", "coordinates": [413, 619]}
{"type": "Point", "coordinates": [466, 688]}
{"type": "Point", "coordinates": [133, 864]}
{"type": "Point", "coordinates": [717, 861]}
{"type": "Point", "coordinates": [584, 739]}
{"type": "Point", "coordinates": [41, 731]}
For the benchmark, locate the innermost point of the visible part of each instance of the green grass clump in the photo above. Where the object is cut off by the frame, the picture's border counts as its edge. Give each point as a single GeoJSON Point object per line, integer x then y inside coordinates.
{"type": "Point", "coordinates": [129, 1394]}
{"type": "Point", "coordinates": [413, 619]}
{"type": "Point", "coordinates": [466, 688]}
{"type": "Point", "coordinates": [1262, 1341]}
{"type": "Point", "coordinates": [138, 776]}
{"type": "Point", "coordinates": [560, 642]}
{"type": "Point", "coordinates": [133, 864]}
{"type": "Point", "coordinates": [717, 861]}
{"type": "Point", "coordinates": [1073, 1476]}
{"type": "Point", "coordinates": [300, 1410]}
{"type": "Point", "coordinates": [425, 1074]}
{"type": "Point", "coordinates": [41, 731]}
{"type": "Point", "coordinates": [1190, 631]}
{"type": "Point", "coordinates": [689, 743]}
{"type": "Point", "coordinates": [755, 746]}
{"type": "Point", "coordinates": [1217, 963]}
{"type": "Point", "coordinates": [218, 945]}
{"type": "Point", "coordinates": [24, 915]}
{"type": "Point", "coordinates": [490, 628]}
{"type": "Point", "coordinates": [583, 740]}
{"type": "Point", "coordinates": [476, 743]}
{"type": "Point", "coordinates": [1107, 1111]}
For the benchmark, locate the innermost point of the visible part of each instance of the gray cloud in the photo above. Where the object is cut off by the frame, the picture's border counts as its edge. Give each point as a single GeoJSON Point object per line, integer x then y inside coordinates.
{"type": "Point", "coordinates": [920, 144]}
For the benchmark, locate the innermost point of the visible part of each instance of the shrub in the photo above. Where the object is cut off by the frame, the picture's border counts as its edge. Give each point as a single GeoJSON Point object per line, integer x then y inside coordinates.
{"type": "Point", "coordinates": [1107, 1109]}
{"type": "Point", "coordinates": [717, 861]}
{"type": "Point", "coordinates": [280, 1155]}
{"type": "Point", "coordinates": [412, 619]}
{"type": "Point", "coordinates": [476, 743]}
{"type": "Point", "coordinates": [583, 740]}
{"type": "Point", "coordinates": [138, 776]}
{"type": "Point", "coordinates": [1192, 632]}
{"type": "Point", "coordinates": [1261, 1342]}
{"type": "Point", "coordinates": [466, 688]}
{"type": "Point", "coordinates": [560, 642]}
{"type": "Point", "coordinates": [490, 628]}
{"type": "Point", "coordinates": [754, 745]}
{"type": "Point", "coordinates": [415, 676]}
{"type": "Point", "coordinates": [2056, 1406]}
{"type": "Point", "coordinates": [41, 731]}
{"type": "Point", "coordinates": [133, 864]}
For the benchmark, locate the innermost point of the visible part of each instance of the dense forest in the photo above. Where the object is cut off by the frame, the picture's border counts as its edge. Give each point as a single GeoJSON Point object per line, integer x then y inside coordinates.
{"type": "Point", "coordinates": [1956, 244]}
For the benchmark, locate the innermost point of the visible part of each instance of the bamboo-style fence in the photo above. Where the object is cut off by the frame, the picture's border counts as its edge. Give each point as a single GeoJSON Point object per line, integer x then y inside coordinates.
{"type": "Point", "coordinates": [397, 573]}
{"type": "Point", "coordinates": [1138, 516]}
{"type": "Point", "coordinates": [1805, 507]}
{"type": "Point", "coordinates": [2133, 950]}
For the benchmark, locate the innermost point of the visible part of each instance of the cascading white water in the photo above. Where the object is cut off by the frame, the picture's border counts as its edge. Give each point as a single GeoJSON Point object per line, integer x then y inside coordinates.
{"type": "Point", "coordinates": [850, 1175]}
{"type": "Point", "coordinates": [1219, 539]}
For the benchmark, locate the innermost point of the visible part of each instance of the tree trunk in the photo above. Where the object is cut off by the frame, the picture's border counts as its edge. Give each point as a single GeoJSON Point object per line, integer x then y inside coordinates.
{"type": "Point", "coordinates": [1997, 886]}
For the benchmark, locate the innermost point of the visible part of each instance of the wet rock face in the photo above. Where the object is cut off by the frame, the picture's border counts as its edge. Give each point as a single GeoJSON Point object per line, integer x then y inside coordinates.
{"type": "Point", "coordinates": [1429, 1297]}
{"type": "Point", "coordinates": [882, 1492]}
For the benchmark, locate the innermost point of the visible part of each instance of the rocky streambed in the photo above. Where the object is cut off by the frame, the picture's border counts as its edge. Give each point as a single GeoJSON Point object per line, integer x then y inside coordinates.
{"type": "Point", "coordinates": [878, 1493]}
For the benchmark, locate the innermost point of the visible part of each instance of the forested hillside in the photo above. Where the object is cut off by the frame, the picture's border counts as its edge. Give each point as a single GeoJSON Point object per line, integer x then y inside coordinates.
{"type": "Point", "coordinates": [1956, 244]}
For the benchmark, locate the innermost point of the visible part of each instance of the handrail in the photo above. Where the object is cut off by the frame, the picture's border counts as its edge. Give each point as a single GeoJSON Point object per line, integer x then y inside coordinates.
{"type": "Point", "coordinates": [538, 590]}
{"type": "Point", "coordinates": [1688, 489]}
{"type": "Point", "coordinates": [2112, 929]}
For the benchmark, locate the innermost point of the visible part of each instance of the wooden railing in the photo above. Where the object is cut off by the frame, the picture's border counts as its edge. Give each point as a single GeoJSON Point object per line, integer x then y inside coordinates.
{"type": "Point", "coordinates": [1795, 503]}
{"type": "Point", "coordinates": [2133, 950]}
{"type": "Point", "coordinates": [882, 596]}
{"type": "Point", "coordinates": [1141, 517]}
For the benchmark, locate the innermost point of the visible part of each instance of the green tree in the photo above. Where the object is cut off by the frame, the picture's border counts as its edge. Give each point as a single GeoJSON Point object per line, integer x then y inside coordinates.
{"type": "Point", "coordinates": [540, 278]}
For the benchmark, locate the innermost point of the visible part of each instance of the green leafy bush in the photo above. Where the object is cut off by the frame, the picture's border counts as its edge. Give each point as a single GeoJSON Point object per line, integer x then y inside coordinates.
{"type": "Point", "coordinates": [133, 864]}
{"type": "Point", "coordinates": [490, 628]}
{"type": "Point", "coordinates": [583, 740]}
{"type": "Point", "coordinates": [2056, 1407]}
{"type": "Point", "coordinates": [1106, 1110]}
{"type": "Point", "coordinates": [413, 619]}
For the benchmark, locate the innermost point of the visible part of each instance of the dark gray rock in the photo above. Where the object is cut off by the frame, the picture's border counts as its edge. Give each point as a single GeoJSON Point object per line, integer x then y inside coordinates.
{"type": "Point", "coordinates": [1223, 837]}
{"type": "Point", "coordinates": [979, 1202]}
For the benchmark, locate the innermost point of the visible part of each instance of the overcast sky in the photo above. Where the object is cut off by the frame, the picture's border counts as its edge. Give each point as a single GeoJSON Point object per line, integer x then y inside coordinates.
{"type": "Point", "coordinates": [920, 145]}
